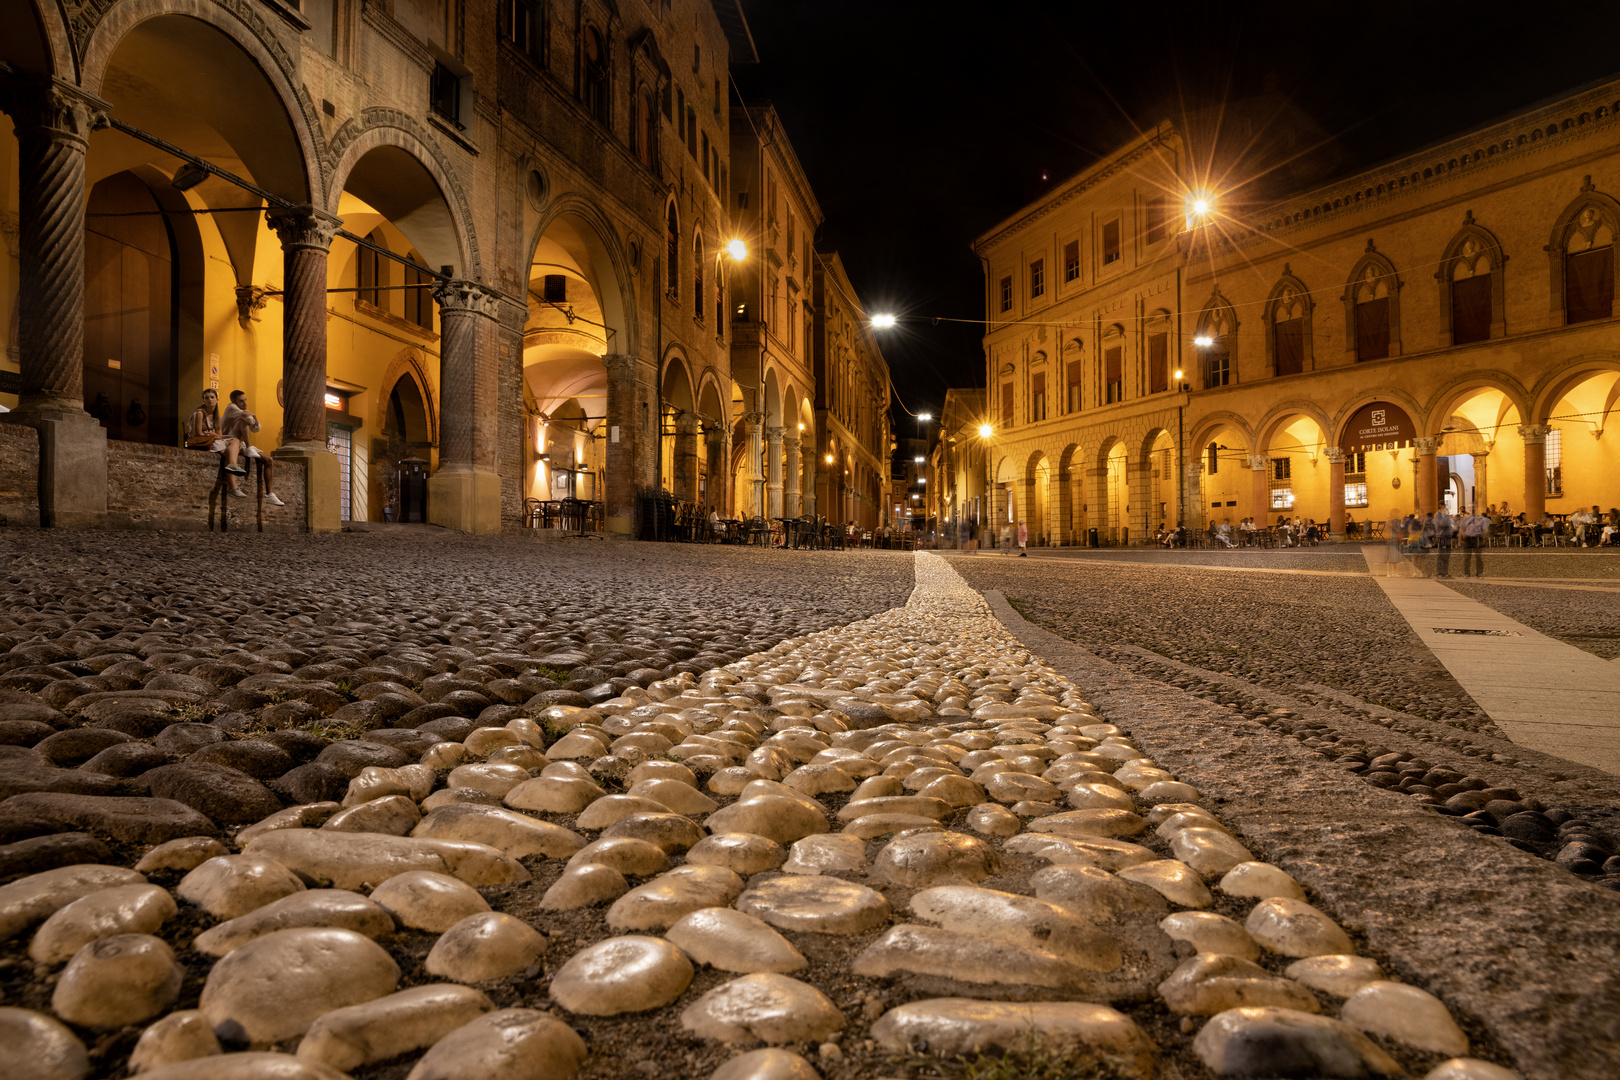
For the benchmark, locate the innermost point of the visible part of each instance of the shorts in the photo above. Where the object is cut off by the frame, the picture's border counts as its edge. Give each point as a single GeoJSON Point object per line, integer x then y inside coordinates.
{"type": "Point", "coordinates": [218, 446]}
{"type": "Point", "coordinates": [253, 452]}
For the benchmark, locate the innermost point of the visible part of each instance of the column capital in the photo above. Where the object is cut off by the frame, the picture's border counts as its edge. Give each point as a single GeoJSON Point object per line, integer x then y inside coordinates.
{"type": "Point", "coordinates": [1427, 445]}
{"type": "Point", "coordinates": [774, 434]}
{"type": "Point", "coordinates": [1258, 462]}
{"type": "Point", "coordinates": [52, 107]}
{"type": "Point", "coordinates": [1335, 455]}
{"type": "Point", "coordinates": [1534, 433]}
{"type": "Point", "coordinates": [754, 419]}
{"type": "Point", "coordinates": [460, 295]}
{"type": "Point", "coordinates": [1479, 456]}
{"type": "Point", "coordinates": [688, 423]}
{"type": "Point", "coordinates": [303, 227]}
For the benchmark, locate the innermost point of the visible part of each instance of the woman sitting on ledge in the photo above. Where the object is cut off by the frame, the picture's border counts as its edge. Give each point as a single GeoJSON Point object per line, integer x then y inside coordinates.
{"type": "Point", "coordinates": [203, 433]}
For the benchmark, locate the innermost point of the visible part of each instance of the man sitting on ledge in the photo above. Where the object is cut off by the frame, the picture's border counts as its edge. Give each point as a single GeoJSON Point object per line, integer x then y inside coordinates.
{"type": "Point", "coordinates": [239, 424]}
{"type": "Point", "coordinates": [203, 433]}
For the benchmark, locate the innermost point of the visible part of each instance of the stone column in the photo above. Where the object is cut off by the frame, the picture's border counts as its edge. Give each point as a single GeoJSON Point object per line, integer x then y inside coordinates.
{"type": "Point", "coordinates": [719, 467]}
{"type": "Point", "coordinates": [754, 433]}
{"type": "Point", "coordinates": [1481, 490]}
{"type": "Point", "coordinates": [1097, 500]}
{"type": "Point", "coordinates": [1192, 503]}
{"type": "Point", "coordinates": [1065, 533]}
{"type": "Point", "coordinates": [1428, 490]}
{"type": "Point", "coordinates": [624, 439]}
{"type": "Point", "coordinates": [793, 474]}
{"type": "Point", "coordinates": [1535, 469]}
{"type": "Point", "coordinates": [1335, 458]}
{"type": "Point", "coordinates": [52, 122]}
{"type": "Point", "coordinates": [1260, 489]}
{"type": "Point", "coordinates": [773, 472]}
{"type": "Point", "coordinates": [465, 493]}
{"type": "Point", "coordinates": [306, 236]}
{"type": "Point", "coordinates": [686, 459]}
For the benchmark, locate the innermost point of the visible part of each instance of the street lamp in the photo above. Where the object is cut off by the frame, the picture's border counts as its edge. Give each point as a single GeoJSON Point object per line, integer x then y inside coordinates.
{"type": "Point", "coordinates": [883, 322]}
{"type": "Point", "coordinates": [737, 250]}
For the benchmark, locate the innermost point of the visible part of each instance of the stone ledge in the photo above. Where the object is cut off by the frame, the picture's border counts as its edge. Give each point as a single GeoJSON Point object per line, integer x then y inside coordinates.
{"type": "Point", "coordinates": [1518, 943]}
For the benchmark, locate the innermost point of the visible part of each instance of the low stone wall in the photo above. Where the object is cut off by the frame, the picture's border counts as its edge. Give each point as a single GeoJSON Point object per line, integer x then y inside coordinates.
{"type": "Point", "coordinates": [19, 474]}
{"type": "Point", "coordinates": [166, 487]}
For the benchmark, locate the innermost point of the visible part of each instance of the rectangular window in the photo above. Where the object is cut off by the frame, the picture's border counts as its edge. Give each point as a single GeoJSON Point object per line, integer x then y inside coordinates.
{"type": "Point", "coordinates": [1071, 261]}
{"type": "Point", "coordinates": [1290, 336]}
{"type": "Point", "coordinates": [419, 301]}
{"type": "Point", "coordinates": [680, 113]}
{"type": "Point", "coordinates": [1037, 278]}
{"type": "Point", "coordinates": [1037, 397]}
{"type": "Point", "coordinates": [1114, 366]}
{"type": "Point", "coordinates": [1372, 329]}
{"type": "Point", "coordinates": [1110, 242]}
{"type": "Point", "coordinates": [1214, 453]}
{"type": "Point", "coordinates": [445, 94]}
{"type": "Point", "coordinates": [1471, 310]}
{"type": "Point", "coordinates": [691, 132]}
{"type": "Point", "coordinates": [373, 272]}
{"type": "Point", "coordinates": [1073, 375]}
{"type": "Point", "coordinates": [1281, 468]}
{"type": "Point", "coordinates": [1158, 219]}
{"type": "Point", "coordinates": [1554, 462]}
{"type": "Point", "coordinates": [1158, 363]}
{"type": "Point", "coordinates": [1006, 405]}
{"type": "Point", "coordinates": [1355, 463]}
{"type": "Point", "coordinates": [705, 159]}
{"type": "Point", "coordinates": [1589, 285]}
{"type": "Point", "coordinates": [1282, 498]}
{"type": "Point", "coordinates": [1006, 293]}
{"type": "Point", "coordinates": [1217, 366]}
{"type": "Point", "coordinates": [1355, 494]}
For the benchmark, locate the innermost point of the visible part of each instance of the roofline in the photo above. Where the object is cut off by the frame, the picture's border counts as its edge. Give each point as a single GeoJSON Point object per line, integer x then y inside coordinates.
{"type": "Point", "coordinates": [738, 36]}
{"type": "Point", "coordinates": [778, 138]}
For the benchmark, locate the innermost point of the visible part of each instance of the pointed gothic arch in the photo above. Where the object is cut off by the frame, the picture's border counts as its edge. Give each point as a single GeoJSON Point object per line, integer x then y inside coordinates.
{"type": "Point", "coordinates": [1372, 307]}
{"type": "Point", "coordinates": [1290, 345]}
{"type": "Point", "coordinates": [1586, 227]}
{"type": "Point", "coordinates": [1474, 254]}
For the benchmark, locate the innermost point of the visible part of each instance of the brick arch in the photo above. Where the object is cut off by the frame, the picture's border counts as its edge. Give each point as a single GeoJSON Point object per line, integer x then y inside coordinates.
{"type": "Point", "coordinates": [1405, 400]}
{"type": "Point", "coordinates": [378, 126]}
{"type": "Point", "coordinates": [100, 25]}
{"type": "Point", "coordinates": [1440, 403]}
{"type": "Point", "coordinates": [53, 40]}
{"type": "Point", "coordinates": [1274, 418]}
{"type": "Point", "coordinates": [1554, 384]}
{"type": "Point", "coordinates": [1212, 423]}
{"type": "Point", "coordinates": [407, 364]}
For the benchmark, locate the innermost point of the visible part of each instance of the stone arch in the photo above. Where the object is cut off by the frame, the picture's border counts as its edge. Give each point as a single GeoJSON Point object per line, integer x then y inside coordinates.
{"type": "Point", "coordinates": [1590, 221]}
{"type": "Point", "coordinates": [1405, 400]}
{"type": "Point", "coordinates": [1443, 400]}
{"type": "Point", "coordinates": [677, 380]}
{"type": "Point", "coordinates": [1372, 278]}
{"type": "Point", "coordinates": [1554, 384]}
{"type": "Point", "coordinates": [99, 33]}
{"type": "Point", "coordinates": [1288, 302]}
{"type": "Point", "coordinates": [37, 41]}
{"type": "Point", "coordinates": [1473, 252]}
{"type": "Point", "coordinates": [1218, 322]}
{"type": "Point", "coordinates": [607, 256]}
{"type": "Point", "coordinates": [1275, 418]}
{"type": "Point", "coordinates": [400, 144]}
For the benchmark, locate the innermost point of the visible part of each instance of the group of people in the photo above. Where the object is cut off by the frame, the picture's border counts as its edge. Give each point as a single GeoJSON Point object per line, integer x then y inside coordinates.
{"type": "Point", "coordinates": [1440, 532]}
{"type": "Point", "coordinates": [1293, 532]}
{"type": "Point", "coordinates": [207, 430]}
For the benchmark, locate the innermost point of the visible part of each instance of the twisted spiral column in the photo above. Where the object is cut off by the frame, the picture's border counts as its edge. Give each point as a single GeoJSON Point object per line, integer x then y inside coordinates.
{"type": "Point", "coordinates": [306, 237]}
{"type": "Point", "coordinates": [52, 122]}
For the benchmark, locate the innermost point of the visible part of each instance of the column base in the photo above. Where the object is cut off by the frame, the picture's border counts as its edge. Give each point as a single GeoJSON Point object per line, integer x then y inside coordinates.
{"type": "Point", "coordinates": [465, 499]}
{"type": "Point", "coordinates": [323, 490]}
{"type": "Point", "coordinates": [72, 464]}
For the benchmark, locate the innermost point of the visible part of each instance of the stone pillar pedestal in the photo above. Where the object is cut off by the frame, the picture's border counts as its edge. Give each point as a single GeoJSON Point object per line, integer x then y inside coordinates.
{"type": "Point", "coordinates": [1335, 458]}
{"type": "Point", "coordinates": [465, 493]}
{"type": "Point", "coordinates": [793, 475]}
{"type": "Point", "coordinates": [52, 122]}
{"type": "Point", "coordinates": [685, 480]}
{"type": "Point", "coordinates": [1535, 469]}
{"type": "Point", "coordinates": [306, 236]}
{"type": "Point", "coordinates": [1428, 489]}
{"type": "Point", "coordinates": [1481, 489]}
{"type": "Point", "coordinates": [1260, 488]}
{"type": "Point", "coordinates": [773, 472]}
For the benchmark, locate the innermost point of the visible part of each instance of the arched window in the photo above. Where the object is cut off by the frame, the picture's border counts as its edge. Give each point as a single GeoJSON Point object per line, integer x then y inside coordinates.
{"type": "Point", "coordinates": [673, 238]}
{"type": "Point", "coordinates": [644, 129]}
{"type": "Point", "coordinates": [697, 277]}
{"type": "Point", "coordinates": [1471, 287]}
{"type": "Point", "coordinates": [1288, 322]}
{"type": "Point", "coordinates": [1372, 308]}
{"type": "Point", "coordinates": [1582, 250]}
{"type": "Point", "coordinates": [1217, 325]}
{"type": "Point", "coordinates": [719, 298]}
{"type": "Point", "coordinates": [594, 77]}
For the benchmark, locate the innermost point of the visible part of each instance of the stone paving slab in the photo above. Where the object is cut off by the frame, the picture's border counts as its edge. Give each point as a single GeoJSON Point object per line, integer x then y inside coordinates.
{"type": "Point", "coordinates": [1529, 951]}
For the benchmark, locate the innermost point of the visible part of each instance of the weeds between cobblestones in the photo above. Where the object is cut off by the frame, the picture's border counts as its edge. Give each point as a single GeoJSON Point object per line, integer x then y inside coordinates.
{"type": "Point", "coordinates": [928, 724]}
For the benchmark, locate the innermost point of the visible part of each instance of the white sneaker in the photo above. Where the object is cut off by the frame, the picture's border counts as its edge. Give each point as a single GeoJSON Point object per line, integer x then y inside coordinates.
{"type": "Point", "coordinates": [237, 493]}
{"type": "Point", "coordinates": [274, 499]}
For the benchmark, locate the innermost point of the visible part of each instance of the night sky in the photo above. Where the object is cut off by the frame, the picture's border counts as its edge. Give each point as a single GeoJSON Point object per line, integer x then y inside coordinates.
{"type": "Point", "coordinates": [923, 124]}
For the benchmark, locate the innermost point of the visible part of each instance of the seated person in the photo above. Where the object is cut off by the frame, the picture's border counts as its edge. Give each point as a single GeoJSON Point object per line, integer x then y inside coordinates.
{"type": "Point", "coordinates": [1223, 534]}
{"type": "Point", "coordinates": [239, 424]}
{"type": "Point", "coordinates": [203, 433]}
{"type": "Point", "coordinates": [1313, 535]}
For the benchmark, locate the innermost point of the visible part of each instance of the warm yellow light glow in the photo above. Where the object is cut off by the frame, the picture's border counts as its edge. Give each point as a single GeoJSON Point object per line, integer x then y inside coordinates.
{"type": "Point", "coordinates": [925, 417]}
{"type": "Point", "coordinates": [801, 427]}
{"type": "Point", "coordinates": [1200, 206]}
{"type": "Point", "coordinates": [883, 322]}
{"type": "Point", "coordinates": [918, 459]}
{"type": "Point", "coordinates": [829, 459]}
{"type": "Point", "coordinates": [737, 250]}
{"type": "Point", "coordinates": [985, 431]}
{"type": "Point", "coordinates": [1178, 373]}
{"type": "Point", "coordinates": [1203, 341]}
{"type": "Point", "coordinates": [334, 401]}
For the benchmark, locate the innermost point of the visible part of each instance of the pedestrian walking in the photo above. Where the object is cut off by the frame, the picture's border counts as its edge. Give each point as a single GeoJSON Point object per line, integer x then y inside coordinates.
{"type": "Point", "coordinates": [1023, 540]}
{"type": "Point", "coordinates": [1475, 528]}
{"type": "Point", "coordinates": [1444, 531]}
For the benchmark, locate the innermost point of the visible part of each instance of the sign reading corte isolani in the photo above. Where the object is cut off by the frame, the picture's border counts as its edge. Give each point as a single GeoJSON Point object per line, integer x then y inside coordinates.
{"type": "Point", "coordinates": [1378, 423]}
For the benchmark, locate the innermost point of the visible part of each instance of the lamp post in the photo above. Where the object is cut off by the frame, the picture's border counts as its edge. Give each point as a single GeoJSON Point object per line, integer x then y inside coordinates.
{"type": "Point", "coordinates": [985, 431]}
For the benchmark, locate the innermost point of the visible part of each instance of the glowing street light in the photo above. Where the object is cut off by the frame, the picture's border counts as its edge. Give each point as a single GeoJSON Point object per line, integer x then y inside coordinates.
{"type": "Point", "coordinates": [985, 431]}
{"type": "Point", "coordinates": [1179, 375]}
{"type": "Point", "coordinates": [1203, 341]}
{"type": "Point", "coordinates": [737, 250]}
{"type": "Point", "coordinates": [883, 322]}
{"type": "Point", "coordinates": [925, 417]}
{"type": "Point", "coordinates": [918, 459]}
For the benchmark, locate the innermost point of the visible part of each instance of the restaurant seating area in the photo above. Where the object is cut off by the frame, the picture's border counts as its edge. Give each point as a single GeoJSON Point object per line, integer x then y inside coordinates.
{"type": "Point", "coordinates": [666, 518]}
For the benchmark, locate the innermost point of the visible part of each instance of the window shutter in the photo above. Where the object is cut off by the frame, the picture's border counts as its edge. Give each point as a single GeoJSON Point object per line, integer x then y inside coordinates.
{"type": "Point", "coordinates": [1471, 310]}
{"type": "Point", "coordinates": [1589, 285]}
{"type": "Point", "coordinates": [1074, 385]}
{"type": "Point", "coordinates": [1158, 363]}
{"type": "Point", "coordinates": [1372, 329]}
{"type": "Point", "coordinates": [1114, 358]}
{"type": "Point", "coordinates": [1290, 347]}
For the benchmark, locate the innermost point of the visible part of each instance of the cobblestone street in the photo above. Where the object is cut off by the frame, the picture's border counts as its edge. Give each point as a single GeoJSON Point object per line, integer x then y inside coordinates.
{"type": "Point", "coordinates": [501, 809]}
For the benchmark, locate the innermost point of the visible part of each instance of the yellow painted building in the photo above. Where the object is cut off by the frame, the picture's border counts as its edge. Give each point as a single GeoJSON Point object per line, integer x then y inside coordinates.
{"type": "Point", "coordinates": [1440, 329]}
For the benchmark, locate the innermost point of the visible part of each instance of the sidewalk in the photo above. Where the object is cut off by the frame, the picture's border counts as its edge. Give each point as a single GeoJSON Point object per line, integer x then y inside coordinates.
{"type": "Point", "coordinates": [1542, 693]}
